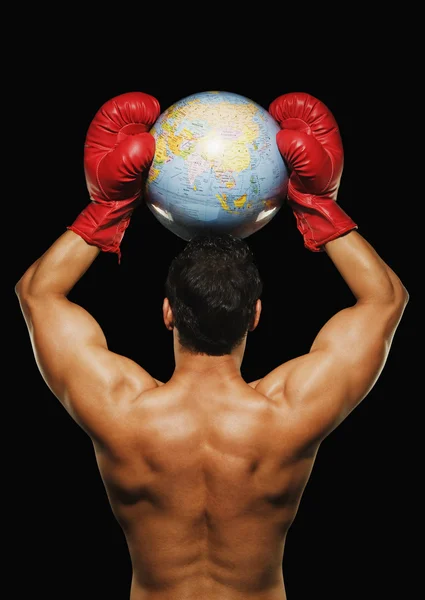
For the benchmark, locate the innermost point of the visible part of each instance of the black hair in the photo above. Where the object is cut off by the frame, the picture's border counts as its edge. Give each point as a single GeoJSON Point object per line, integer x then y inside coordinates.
{"type": "Point", "coordinates": [212, 287]}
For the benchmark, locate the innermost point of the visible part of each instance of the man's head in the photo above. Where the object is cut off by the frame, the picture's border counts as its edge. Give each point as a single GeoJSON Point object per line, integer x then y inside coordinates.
{"type": "Point", "coordinates": [212, 289]}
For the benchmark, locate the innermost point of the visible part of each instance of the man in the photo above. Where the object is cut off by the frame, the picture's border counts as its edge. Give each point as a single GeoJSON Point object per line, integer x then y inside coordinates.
{"type": "Point", "coordinates": [205, 472]}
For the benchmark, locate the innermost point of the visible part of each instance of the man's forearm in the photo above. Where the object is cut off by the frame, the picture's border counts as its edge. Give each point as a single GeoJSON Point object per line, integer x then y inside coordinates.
{"type": "Point", "coordinates": [59, 268]}
{"type": "Point", "coordinates": [364, 271]}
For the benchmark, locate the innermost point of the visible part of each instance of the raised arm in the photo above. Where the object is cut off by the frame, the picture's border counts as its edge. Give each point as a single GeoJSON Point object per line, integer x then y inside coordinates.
{"type": "Point", "coordinates": [69, 346]}
{"type": "Point", "coordinates": [350, 351]}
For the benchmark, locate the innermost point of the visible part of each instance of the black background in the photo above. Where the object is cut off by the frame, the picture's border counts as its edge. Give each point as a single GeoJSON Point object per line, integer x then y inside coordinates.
{"type": "Point", "coordinates": [356, 524]}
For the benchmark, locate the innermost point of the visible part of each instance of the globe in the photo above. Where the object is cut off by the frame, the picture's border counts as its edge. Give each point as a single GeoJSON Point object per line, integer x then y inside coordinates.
{"type": "Point", "coordinates": [217, 168]}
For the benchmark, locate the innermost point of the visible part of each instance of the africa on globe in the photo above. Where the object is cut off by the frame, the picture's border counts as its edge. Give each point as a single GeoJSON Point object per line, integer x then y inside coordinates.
{"type": "Point", "coordinates": [217, 168]}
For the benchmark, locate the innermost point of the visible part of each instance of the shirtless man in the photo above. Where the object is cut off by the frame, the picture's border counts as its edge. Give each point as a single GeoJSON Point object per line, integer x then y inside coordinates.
{"type": "Point", "coordinates": [205, 472]}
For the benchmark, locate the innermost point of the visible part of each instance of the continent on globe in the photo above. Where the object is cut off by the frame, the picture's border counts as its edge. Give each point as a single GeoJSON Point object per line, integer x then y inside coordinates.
{"type": "Point", "coordinates": [217, 167]}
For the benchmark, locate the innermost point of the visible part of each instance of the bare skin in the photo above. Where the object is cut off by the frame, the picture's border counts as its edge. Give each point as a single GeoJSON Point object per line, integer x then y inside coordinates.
{"type": "Point", "coordinates": [205, 473]}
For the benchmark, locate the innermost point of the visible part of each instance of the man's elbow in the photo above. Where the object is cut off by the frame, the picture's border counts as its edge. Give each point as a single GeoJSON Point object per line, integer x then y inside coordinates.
{"type": "Point", "coordinates": [406, 296]}
{"type": "Point", "coordinates": [401, 294]}
{"type": "Point", "coordinates": [22, 288]}
{"type": "Point", "coordinates": [396, 293]}
{"type": "Point", "coordinates": [400, 300]}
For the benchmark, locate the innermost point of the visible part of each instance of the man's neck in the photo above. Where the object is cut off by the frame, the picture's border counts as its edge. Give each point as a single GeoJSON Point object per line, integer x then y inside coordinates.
{"type": "Point", "coordinates": [225, 367]}
{"type": "Point", "coordinates": [202, 364]}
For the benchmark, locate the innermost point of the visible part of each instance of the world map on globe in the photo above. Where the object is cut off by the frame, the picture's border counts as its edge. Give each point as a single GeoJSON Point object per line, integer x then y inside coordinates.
{"type": "Point", "coordinates": [217, 167]}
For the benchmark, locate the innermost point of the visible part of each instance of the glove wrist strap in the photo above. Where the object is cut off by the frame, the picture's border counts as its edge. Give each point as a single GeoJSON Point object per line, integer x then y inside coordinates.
{"type": "Point", "coordinates": [103, 225]}
{"type": "Point", "coordinates": [320, 222]}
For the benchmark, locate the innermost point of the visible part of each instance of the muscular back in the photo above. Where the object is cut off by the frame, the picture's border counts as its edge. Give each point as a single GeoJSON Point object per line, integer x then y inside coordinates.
{"type": "Point", "coordinates": [205, 482]}
{"type": "Point", "coordinates": [205, 473]}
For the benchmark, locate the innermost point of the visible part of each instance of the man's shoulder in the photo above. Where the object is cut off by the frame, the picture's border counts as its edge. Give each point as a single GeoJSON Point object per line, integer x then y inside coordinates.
{"type": "Point", "coordinates": [274, 382]}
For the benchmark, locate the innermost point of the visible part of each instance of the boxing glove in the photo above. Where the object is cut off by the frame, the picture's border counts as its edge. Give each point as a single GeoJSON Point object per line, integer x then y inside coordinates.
{"type": "Point", "coordinates": [311, 145]}
{"type": "Point", "coordinates": [118, 152]}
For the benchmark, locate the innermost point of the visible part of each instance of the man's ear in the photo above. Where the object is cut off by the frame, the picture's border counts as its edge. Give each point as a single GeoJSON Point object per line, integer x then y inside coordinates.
{"type": "Point", "coordinates": [257, 315]}
{"type": "Point", "coordinates": [167, 314]}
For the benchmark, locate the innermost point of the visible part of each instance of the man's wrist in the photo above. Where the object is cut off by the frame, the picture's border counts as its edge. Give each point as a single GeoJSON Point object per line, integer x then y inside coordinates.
{"type": "Point", "coordinates": [103, 224]}
{"type": "Point", "coordinates": [321, 221]}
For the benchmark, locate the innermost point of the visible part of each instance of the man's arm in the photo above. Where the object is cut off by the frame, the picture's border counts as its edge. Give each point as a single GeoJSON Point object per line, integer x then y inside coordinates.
{"type": "Point", "coordinates": [69, 346]}
{"type": "Point", "coordinates": [350, 351]}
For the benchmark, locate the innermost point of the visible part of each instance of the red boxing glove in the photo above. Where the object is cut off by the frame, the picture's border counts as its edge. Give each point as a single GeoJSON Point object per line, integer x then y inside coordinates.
{"type": "Point", "coordinates": [117, 155]}
{"type": "Point", "coordinates": [310, 143]}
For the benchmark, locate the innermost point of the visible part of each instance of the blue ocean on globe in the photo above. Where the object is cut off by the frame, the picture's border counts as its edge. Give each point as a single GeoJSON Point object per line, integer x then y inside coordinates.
{"type": "Point", "coordinates": [217, 168]}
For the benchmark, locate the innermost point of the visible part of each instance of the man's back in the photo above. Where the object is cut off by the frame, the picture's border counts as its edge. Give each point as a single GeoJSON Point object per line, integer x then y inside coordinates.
{"type": "Point", "coordinates": [205, 473]}
{"type": "Point", "coordinates": [205, 482]}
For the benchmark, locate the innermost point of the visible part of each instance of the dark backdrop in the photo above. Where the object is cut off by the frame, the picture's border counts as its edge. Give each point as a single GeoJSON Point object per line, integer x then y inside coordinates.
{"type": "Point", "coordinates": [353, 533]}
